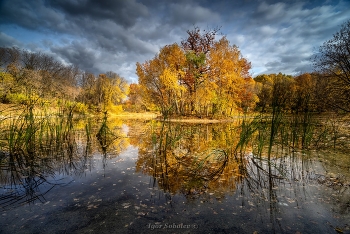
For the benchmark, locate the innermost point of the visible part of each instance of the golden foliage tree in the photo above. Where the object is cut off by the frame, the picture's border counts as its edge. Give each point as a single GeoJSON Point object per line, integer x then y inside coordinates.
{"type": "Point", "coordinates": [159, 79]}
{"type": "Point", "coordinates": [203, 77]}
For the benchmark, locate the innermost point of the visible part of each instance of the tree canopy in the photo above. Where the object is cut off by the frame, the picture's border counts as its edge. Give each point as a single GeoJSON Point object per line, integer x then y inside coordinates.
{"type": "Point", "coordinates": [202, 77]}
{"type": "Point", "coordinates": [333, 62]}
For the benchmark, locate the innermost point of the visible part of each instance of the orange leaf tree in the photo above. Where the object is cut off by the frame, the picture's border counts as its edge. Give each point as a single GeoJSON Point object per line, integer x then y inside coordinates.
{"type": "Point", "coordinates": [203, 77]}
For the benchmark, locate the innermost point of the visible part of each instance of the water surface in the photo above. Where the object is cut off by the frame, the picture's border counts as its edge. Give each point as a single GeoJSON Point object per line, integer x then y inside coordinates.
{"type": "Point", "coordinates": [176, 178]}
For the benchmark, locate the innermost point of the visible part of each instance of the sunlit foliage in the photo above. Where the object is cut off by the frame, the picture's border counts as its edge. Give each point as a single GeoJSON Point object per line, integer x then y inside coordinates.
{"type": "Point", "coordinates": [104, 91]}
{"type": "Point", "coordinates": [203, 77]}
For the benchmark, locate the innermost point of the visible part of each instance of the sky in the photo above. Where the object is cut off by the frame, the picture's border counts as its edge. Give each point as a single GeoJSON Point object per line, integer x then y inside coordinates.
{"type": "Point", "coordinates": [113, 35]}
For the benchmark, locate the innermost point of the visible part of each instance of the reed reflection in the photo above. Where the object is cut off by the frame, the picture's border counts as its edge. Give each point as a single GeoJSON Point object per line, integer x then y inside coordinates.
{"type": "Point", "coordinates": [206, 161]}
{"type": "Point", "coordinates": [38, 154]}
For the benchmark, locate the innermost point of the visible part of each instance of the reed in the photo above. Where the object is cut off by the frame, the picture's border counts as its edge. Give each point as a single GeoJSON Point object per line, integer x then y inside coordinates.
{"type": "Point", "coordinates": [33, 146]}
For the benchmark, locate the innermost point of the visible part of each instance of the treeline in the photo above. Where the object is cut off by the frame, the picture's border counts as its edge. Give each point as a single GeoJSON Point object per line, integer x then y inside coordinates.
{"type": "Point", "coordinates": [27, 78]}
{"type": "Point", "coordinates": [26, 73]}
{"type": "Point", "coordinates": [291, 94]}
{"type": "Point", "coordinates": [206, 77]}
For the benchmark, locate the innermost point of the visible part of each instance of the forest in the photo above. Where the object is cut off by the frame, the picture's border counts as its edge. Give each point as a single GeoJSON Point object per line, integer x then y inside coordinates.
{"type": "Point", "coordinates": [202, 77]}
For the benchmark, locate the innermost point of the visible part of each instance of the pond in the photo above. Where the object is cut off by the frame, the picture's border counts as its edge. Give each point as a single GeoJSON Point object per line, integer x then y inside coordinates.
{"type": "Point", "coordinates": [123, 176]}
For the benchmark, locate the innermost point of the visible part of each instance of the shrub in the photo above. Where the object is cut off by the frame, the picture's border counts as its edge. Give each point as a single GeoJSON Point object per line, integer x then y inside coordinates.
{"type": "Point", "coordinates": [17, 98]}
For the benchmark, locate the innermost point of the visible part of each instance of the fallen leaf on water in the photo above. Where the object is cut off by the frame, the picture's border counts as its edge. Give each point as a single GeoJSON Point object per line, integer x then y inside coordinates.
{"type": "Point", "coordinates": [338, 230]}
{"type": "Point", "coordinates": [126, 205]}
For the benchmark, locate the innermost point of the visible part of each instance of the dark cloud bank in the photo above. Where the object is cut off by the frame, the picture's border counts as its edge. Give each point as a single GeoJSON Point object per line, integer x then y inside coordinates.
{"type": "Point", "coordinates": [99, 36]}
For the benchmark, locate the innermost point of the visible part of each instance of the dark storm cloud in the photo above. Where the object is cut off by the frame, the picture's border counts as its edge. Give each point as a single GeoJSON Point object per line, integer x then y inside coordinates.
{"type": "Point", "coordinates": [29, 14]}
{"type": "Point", "coordinates": [124, 13]}
{"type": "Point", "coordinates": [99, 36]}
{"type": "Point", "coordinates": [97, 30]}
{"type": "Point", "coordinates": [77, 53]}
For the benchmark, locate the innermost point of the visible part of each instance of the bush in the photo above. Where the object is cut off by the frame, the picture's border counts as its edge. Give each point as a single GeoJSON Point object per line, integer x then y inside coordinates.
{"type": "Point", "coordinates": [17, 98]}
{"type": "Point", "coordinates": [76, 107]}
{"type": "Point", "coordinates": [81, 108]}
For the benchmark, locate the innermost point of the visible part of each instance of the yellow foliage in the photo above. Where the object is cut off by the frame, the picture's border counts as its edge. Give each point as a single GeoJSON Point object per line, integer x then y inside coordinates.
{"type": "Point", "coordinates": [115, 109]}
{"type": "Point", "coordinates": [188, 81]}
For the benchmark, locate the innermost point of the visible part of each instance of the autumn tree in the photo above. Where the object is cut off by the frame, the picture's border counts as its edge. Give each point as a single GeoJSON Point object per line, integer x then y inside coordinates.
{"type": "Point", "coordinates": [26, 72]}
{"type": "Point", "coordinates": [275, 92]}
{"type": "Point", "coordinates": [333, 62]}
{"type": "Point", "coordinates": [135, 101]}
{"type": "Point", "coordinates": [264, 84]}
{"type": "Point", "coordinates": [229, 74]}
{"type": "Point", "coordinates": [305, 93]}
{"type": "Point", "coordinates": [196, 47]}
{"type": "Point", "coordinates": [120, 87]}
{"type": "Point", "coordinates": [203, 77]}
{"type": "Point", "coordinates": [103, 91]}
{"type": "Point", "coordinates": [159, 79]}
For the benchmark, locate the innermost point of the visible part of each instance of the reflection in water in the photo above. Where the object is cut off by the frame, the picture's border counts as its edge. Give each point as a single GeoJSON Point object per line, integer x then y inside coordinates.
{"type": "Point", "coordinates": [202, 161]}
{"type": "Point", "coordinates": [197, 170]}
{"type": "Point", "coordinates": [187, 158]}
{"type": "Point", "coordinates": [34, 164]}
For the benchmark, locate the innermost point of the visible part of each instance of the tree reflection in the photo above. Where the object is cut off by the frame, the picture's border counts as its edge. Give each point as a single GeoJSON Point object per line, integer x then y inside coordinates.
{"type": "Point", "coordinates": [188, 159]}
{"type": "Point", "coordinates": [206, 161]}
{"type": "Point", "coordinates": [111, 142]}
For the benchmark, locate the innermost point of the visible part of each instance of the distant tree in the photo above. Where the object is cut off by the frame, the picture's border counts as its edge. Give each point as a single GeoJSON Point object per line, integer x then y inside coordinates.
{"type": "Point", "coordinates": [304, 98]}
{"type": "Point", "coordinates": [104, 91]}
{"type": "Point", "coordinates": [87, 84]}
{"type": "Point", "coordinates": [333, 62]}
{"type": "Point", "coordinates": [25, 72]}
{"type": "Point", "coordinates": [135, 101]}
{"type": "Point", "coordinates": [275, 92]}
{"type": "Point", "coordinates": [120, 87]}
{"type": "Point", "coordinates": [264, 85]}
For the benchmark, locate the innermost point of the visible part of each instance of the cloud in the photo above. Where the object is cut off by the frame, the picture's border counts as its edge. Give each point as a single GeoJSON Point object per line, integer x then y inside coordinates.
{"type": "Point", "coordinates": [282, 37]}
{"type": "Point", "coordinates": [8, 41]}
{"type": "Point", "coordinates": [98, 36]}
{"type": "Point", "coordinates": [270, 13]}
{"type": "Point", "coordinates": [78, 53]}
{"type": "Point", "coordinates": [34, 15]}
{"type": "Point", "coordinates": [191, 14]}
{"type": "Point", "coordinates": [124, 13]}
